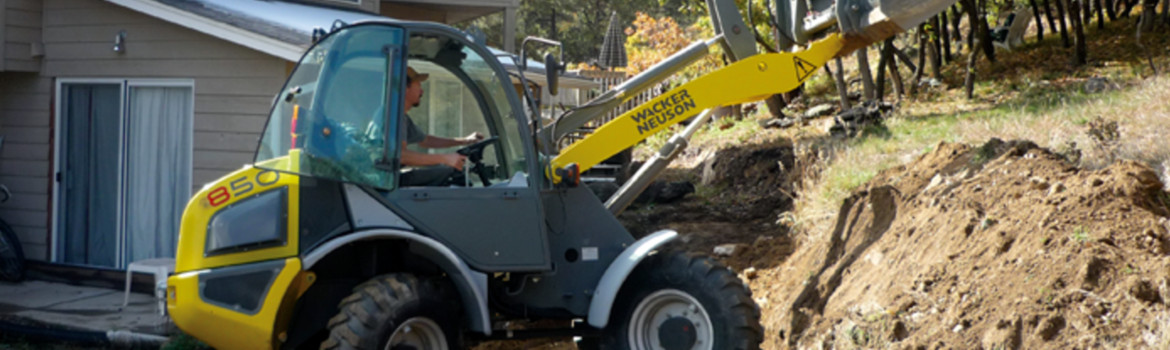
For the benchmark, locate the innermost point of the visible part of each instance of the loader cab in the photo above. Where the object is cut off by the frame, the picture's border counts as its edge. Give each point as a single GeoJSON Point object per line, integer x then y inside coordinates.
{"type": "Point", "coordinates": [345, 100]}
{"type": "Point", "coordinates": [341, 116]}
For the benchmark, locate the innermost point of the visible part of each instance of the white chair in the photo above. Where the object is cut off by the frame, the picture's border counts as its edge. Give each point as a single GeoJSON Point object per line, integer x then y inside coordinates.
{"type": "Point", "coordinates": [160, 269]}
{"type": "Point", "coordinates": [1015, 34]}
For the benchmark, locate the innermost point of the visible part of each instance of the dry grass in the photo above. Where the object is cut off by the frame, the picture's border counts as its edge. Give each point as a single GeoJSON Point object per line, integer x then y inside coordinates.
{"type": "Point", "coordinates": [1141, 114]}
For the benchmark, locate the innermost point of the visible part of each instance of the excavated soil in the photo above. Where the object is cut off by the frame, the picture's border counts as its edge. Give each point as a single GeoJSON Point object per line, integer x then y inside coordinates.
{"type": "Point", "coordinates": [1001, 246]}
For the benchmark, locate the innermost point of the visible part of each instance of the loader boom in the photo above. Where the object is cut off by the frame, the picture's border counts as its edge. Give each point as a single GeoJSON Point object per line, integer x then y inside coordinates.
{"type": "Point", "coordinates": [750, 79]}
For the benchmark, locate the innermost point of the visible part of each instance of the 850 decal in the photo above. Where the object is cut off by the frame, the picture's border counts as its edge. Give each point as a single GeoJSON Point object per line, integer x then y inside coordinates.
{"type": "Point", "coordinates": [241, 186]}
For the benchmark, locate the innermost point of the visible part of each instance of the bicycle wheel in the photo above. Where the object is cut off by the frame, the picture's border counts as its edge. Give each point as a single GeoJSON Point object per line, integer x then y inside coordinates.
{"type": "Point", "coordinates": [11, 256]}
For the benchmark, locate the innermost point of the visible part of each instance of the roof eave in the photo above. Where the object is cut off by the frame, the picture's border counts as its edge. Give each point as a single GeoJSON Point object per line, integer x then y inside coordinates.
{"type": "Point", "coordinates": [271, 46]}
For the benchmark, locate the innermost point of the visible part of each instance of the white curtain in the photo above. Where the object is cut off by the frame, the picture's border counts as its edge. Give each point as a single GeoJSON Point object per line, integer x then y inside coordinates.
{"type": "Point", "coordinates": [158, 169]}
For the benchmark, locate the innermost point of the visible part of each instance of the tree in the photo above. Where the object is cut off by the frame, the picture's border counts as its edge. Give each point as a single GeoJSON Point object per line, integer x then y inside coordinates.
{"type": "Point", "coordinates": [984, 32]}
{"type": "Point", "coordinates": [1060, 18]}
{"type": "Point", "coordinates": [1082, 49]}
{"type": "Point", "coordinates": [867, 85]}
{"type": "Point", "coordinates": [1039, 21]}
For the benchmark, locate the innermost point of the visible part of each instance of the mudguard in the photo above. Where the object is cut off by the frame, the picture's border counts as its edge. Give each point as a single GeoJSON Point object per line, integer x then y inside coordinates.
{"type": "Point", "coordinates": [471, 285]}
{"type": "Point", "coordinates": [615, 275]}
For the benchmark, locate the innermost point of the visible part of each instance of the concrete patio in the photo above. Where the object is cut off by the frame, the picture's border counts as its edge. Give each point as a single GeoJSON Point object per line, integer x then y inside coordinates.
{"type": "Point", "coordinates": [35, 306]}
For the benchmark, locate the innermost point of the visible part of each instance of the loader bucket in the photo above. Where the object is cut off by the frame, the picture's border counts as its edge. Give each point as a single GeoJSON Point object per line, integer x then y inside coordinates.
{"type": "Point", "coordinates": [885, 19]}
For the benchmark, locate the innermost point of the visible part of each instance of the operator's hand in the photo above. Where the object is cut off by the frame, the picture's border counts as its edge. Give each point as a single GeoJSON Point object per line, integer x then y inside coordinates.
{"type": "Point", "coordinates": [472, 138]}
{"type": "Point", "coordinates": [453, 160]}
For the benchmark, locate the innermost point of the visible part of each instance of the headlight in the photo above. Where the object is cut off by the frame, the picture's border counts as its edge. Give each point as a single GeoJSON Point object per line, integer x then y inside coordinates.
{"type": "Point", "coordinates": [252, 223]}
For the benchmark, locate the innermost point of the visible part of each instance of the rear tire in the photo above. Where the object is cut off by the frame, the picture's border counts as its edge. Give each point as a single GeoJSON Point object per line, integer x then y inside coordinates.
{"type": "Point", "coordinates": [683, 301]}
{"type": "Point", "coordinates": [11, 255]}
{"type": "Point", "coordinates": [396, 311]}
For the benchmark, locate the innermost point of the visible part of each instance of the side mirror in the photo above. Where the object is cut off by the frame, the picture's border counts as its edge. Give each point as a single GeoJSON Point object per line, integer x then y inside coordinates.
{"type": "Point", "coordinates": [552, 69]}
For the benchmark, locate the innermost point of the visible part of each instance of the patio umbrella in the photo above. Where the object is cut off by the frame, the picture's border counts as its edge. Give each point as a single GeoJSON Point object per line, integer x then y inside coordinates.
{"type": "Point", "coordinates": [613, 47]}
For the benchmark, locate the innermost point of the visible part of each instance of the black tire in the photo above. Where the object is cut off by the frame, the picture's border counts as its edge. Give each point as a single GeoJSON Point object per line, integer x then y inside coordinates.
{"type": "Point", "coordinates": [381, 307]}
{"type": "Point", "coordinates": [679, 301]}
{"type": "Point", "coordinates": [11, 255]}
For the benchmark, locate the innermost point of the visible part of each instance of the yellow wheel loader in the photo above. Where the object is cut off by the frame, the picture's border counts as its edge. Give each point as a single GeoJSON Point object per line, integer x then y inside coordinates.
{"type": "Point", "coordinates": [329, 241]}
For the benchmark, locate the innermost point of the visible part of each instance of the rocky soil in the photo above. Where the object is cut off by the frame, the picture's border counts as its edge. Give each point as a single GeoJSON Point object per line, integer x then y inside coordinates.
{"type": "Point", "coordinates": [999, 246]}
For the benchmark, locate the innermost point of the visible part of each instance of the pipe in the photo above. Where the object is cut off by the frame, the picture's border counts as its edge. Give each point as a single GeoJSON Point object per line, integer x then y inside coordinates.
{"type": "Point", "coordinates": [122, 339]}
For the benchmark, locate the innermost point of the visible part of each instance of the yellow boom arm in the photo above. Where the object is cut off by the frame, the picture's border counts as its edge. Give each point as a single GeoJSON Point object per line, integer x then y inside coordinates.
{"type": "Point", "coordinates": [751, 79]}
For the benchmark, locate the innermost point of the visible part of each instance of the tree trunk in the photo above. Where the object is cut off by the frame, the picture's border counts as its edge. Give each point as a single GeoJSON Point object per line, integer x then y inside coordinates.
{"type": "Point", "coordinates": [866, 75]}
{"type": "Point", "coordinates": [1060, 18]}
{"type": "Point", "coordinates": [1086, 12]}
{"type": "Point", "coordinates": [1099, 4]}
{"type": "Point", "coordinates": [842, 89]}
{"type": "Point", "coordinates": [901, 54]}
{"type": "Point", "coordinates": [1039, 21]}
{"type": "Point", "coordinates": [1082, 49]}
{"type": "Point", "coordinates": [1129, 5]}
{"type": "Point", "coordinates": [881, 73]}
{"type": "Point", "coordinates": [945, 36]}
{"type": "Point", "coordinates": [1166, 12]}
{"type": "Point", "coordinates": [1051, 18]}
{"type": "Point", "coordinates": [895, 74]}
{"type": "Point", "coordinates": [956, 20]}
{"type": "Point", "coordinates": [921, 59]}
{"type": "Point", "coordinates": [969, 82]}
{"type": "Point", "coordinates": [1111, 9]}
{"type": "Point", "coordinates": [936, 59]}
{"type": "Point", "coordinates": [985, 32]}
{"type": "Point", "coordinates": [1149, 15]}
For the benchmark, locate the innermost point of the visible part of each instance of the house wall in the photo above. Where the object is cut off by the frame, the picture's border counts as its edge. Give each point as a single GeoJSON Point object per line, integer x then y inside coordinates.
{"type": "Point", "coordinates": [25, 158]}
{"type": "Point", "coordinates": [20, 32]}
{"type": "Point", "coordinates": [234, 86]}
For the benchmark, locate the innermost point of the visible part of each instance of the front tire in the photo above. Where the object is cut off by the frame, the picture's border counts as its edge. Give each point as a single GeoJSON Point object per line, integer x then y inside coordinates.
{"type": "Point", "coordinates": [396, 311]}
{"type": "Point", "coordinates": [11, 255]}
{"type": "Point", "coordinates": [682, 301]}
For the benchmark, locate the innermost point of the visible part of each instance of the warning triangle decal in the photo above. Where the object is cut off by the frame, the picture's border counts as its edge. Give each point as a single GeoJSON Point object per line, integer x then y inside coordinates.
{"type": "Point", "coordinates": [803, 68]}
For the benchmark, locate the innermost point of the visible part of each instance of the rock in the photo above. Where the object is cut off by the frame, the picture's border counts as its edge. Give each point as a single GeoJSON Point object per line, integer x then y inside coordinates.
{"type": "Point", "coordinates": [726, 249]}
{"type": "Point", "coordinates": [1097, 84]}
{"type": "Point", "coordinates": [750, 273]}
{"type": "Point", "coordinates": [1056, 188]}
{"type": "Point", "coordinates": [820, 110]}
{"type": "Point", "coordinates": [1050, 326]}
{"type": "Point", "coordinates": [1039, 183]}
{"type": "Point", "coordinates": [1005, 335]}
{"type": "Point", "coordinates": [778, 123]}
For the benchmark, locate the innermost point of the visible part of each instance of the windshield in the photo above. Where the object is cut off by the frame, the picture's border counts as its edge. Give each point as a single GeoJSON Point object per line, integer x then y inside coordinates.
{"type": "Point", "coordinates": [326, 120]}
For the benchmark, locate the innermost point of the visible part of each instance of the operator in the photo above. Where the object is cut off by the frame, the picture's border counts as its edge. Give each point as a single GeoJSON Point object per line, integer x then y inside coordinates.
{"type": "Point", "coordinates": [414, 135]}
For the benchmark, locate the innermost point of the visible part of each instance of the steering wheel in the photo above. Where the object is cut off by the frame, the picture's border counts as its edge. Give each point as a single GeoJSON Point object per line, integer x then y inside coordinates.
{"type": "Point", "coordinates": [474, 153]}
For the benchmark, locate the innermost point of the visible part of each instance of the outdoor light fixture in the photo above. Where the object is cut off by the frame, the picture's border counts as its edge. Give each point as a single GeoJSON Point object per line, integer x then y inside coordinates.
{"type": "Point", "coordinates": [120, 41]}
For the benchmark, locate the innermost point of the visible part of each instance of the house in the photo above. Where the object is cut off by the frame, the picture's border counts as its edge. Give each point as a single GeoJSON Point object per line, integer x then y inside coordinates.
{"type": "Point", "coordinates": [114, 112]}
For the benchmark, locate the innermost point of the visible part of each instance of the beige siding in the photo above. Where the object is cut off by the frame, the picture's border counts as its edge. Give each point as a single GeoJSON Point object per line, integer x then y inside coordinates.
{"type": "Point", "coordinates": [25, 158]}
{"type": "Point", "coordinates": [20, 29]}
{"type": "Point", "coordinates": [234, 86]}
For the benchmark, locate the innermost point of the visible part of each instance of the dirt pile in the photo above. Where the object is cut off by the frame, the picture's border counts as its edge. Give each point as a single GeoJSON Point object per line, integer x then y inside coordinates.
{"type": "Point", "coordinates": [1001, 246]}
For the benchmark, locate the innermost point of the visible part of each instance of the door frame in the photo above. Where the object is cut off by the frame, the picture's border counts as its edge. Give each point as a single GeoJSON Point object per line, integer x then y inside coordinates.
{"type": "Point", "coordinates": [55, 245]}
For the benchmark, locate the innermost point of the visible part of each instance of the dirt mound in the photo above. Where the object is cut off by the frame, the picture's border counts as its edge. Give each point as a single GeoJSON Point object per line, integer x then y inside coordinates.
{"type": "Point", "coordinates": [1004, 246]}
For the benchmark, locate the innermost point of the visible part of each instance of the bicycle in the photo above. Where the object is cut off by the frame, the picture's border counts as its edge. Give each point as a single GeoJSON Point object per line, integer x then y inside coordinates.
{"type": "Point", "coordinates": [11, 255]}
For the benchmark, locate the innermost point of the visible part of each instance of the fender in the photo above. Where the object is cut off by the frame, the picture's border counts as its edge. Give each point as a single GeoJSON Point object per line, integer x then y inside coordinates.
{"type": "Point", "coordinates": [615, 275]}
{"type": "Point", "coordinates": [471, 285]}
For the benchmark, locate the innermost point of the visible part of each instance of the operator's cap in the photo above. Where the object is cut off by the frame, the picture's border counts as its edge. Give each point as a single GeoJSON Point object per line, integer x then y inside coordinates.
{"type": "Point", "coordinates": [416, 76]}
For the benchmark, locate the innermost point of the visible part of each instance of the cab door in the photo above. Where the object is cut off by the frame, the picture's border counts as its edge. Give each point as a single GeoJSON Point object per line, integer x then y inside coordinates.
{"type": "Point", "coordinates": [495, 226]}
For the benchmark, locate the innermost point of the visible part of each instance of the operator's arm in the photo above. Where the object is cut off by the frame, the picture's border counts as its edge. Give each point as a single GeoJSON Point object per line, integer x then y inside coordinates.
{"type": "Point", "coordinates": [432, 141]}
{"type": "Point", "coordinates": [412, 158]}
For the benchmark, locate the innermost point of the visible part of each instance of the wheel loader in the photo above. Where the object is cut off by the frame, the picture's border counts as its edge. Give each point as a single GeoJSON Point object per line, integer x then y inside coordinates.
{"type": "Point", "coordinates": [320, 243]}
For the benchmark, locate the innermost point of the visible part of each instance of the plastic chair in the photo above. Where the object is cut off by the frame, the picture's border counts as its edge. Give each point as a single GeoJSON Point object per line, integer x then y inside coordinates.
{"type": "Point", "coordinates": [160, 269]}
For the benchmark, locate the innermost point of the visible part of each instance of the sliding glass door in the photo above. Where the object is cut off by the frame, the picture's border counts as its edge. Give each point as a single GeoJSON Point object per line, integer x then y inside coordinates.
{"type": "Point", "coordinates": [124, 169]}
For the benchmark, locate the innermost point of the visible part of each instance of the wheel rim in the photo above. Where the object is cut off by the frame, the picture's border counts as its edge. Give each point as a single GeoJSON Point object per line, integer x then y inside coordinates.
{"type": "Point", "coordinates": [418, 333]}
{"type": "Point", "coordinates": [658, 316]}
